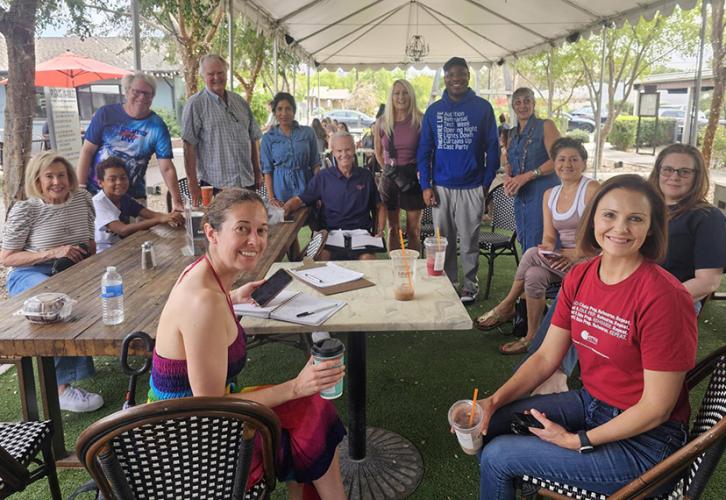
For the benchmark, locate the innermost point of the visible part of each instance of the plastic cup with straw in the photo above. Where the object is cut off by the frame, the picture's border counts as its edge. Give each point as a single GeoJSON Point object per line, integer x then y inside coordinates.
{"type": "Point", "coordinates": [465, 418]}
{"type": "Point", "coordinates": [435, 247]}
{"type": "Point", "coordinates": [403, 271]}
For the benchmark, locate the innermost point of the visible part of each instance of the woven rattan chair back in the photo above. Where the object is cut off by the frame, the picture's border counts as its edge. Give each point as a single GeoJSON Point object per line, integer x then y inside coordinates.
{"type": "Point", "coordinates": [502, 209]}
{"type": "Point", "coordinates": [197, 448]}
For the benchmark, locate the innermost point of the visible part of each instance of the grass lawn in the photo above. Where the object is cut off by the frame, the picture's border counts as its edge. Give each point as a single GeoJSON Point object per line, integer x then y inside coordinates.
{"type": "Point", "coordinates": [412, 379]}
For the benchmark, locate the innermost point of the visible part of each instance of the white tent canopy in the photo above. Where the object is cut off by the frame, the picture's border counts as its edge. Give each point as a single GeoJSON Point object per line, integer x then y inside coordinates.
{"type": "Point", "coordinates": [351, 34]}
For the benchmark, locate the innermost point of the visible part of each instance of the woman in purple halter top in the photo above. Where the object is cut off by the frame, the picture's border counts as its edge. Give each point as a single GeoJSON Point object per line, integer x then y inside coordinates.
{"type": "Point", "coordinates": [200, 347]}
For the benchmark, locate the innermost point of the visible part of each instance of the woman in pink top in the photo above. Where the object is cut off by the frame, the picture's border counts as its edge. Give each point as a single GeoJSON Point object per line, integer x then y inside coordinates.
{"type": "Point", "coordinates": [395, 143]}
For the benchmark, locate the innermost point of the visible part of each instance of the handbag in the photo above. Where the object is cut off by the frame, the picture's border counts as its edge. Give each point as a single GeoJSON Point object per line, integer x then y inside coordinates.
{"type": "Point", "coordinates": [405, 177]}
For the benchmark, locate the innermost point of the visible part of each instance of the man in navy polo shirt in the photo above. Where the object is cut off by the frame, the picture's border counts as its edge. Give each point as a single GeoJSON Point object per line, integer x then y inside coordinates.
{"type": "Point", "coordinates": [349, 196]}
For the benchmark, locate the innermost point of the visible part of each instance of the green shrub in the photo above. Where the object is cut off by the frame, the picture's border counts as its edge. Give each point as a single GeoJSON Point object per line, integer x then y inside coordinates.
{"type": "Point", "coordinates": [622, 135]}
{"type": "Point", "coordinates": [579, 135]}
{"type": "Point", "coordinates": [718, 156]}
{"type": "Point", "coordinates": [170, 121]}
{"type": "Point", "coordinates": [259, 107]}
{"type": "Point", "coordinates": [625, 129]}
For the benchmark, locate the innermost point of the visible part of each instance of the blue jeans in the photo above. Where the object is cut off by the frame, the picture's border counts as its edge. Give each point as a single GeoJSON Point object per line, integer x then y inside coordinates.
{"type": "Point", "coordinates": [506, 456]}
{"type": "Point", "coordinates": [569, 362]}
{"type": "Point", "coordinates": [67, 368]}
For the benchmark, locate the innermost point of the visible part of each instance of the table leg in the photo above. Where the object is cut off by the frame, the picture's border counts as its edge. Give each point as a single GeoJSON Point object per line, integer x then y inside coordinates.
{"type": "Point", "coordinates": [375, 463]}
{"type": "Point", "coordinates": [28, 396]}
{"type": "Point", "coordinates": [49, 393]}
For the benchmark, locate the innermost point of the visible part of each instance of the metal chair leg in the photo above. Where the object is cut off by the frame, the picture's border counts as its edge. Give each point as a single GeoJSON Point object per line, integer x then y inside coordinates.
{"type": "Point", "coordinates": [51, 472]}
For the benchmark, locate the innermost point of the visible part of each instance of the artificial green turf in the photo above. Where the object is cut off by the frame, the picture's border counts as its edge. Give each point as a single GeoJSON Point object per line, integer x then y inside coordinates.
{"type": "Point", "coordinates": [412, 380]}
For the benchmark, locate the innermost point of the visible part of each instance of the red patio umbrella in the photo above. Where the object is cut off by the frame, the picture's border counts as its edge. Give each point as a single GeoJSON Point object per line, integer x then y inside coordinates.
{"type": "Point", "coordinates": [71, 70]}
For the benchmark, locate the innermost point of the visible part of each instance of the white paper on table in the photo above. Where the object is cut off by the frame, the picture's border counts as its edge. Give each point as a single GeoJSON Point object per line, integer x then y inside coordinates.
{"type": "Point", "coordinates": [251, 309]}
{"type": "Point", "coordinates": [303, 303]}
{"type": "Point", "coordinates": [325, 276]}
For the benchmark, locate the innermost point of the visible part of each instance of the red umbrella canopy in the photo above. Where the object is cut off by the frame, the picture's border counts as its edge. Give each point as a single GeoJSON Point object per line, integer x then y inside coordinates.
{"type": "Point", "coordinates": [71, 70]}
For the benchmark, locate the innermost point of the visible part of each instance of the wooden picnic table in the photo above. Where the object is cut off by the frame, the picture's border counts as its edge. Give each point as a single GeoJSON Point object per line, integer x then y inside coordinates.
{"type": "Point", "coordinates": [84, 334]}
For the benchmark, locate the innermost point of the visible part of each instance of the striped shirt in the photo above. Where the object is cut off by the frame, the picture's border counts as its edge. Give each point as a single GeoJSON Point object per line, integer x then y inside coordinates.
{"type": "Point", "coordinates": [222, 134]}
{"type": "Point", "coordinates": [35, 225]}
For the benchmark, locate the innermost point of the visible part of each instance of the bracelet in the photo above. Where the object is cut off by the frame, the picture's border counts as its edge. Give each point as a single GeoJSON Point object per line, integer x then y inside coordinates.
{"type": "Point", "coordinates": [82, 186]}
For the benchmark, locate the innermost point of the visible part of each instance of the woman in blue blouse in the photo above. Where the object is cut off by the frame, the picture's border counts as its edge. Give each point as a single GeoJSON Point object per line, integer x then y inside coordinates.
{"type": "Point", "coordinates": [528, 167]}
{"type": "Point", "coordinates": [289, 153]}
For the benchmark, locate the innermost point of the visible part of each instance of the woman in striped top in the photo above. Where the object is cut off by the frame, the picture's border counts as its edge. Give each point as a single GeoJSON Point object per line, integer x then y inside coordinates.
{"type": "Point", "coordinates": [53, 223]}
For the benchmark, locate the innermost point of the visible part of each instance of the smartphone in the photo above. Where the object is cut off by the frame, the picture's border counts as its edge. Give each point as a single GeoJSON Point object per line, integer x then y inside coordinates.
{"type": "Point", "coordinates": [521, 423]}
{"type": "Point", "coordinates": [549, 255]}
{"type": "Point", "coordinates": [272, 287]}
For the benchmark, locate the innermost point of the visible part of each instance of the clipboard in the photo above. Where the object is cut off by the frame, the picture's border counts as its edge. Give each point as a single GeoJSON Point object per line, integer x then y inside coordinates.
{"type": "Point", "coordinates": [331, 290]}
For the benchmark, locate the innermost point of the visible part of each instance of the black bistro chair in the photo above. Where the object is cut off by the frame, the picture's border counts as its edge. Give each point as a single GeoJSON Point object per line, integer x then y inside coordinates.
{"type": "Point", "coordinates": [493, 243]}
{"type": "Point", "coordinates": [20, 444]}
{"type": "Point", "coordinates": [198, 447]}
{"type": "Point", "coordinates": [427, 224]}
{"type": "Point", "coordinates": [685, 473]}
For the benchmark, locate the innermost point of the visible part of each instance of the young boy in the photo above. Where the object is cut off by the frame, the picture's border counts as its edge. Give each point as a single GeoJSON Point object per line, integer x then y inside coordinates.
{"type": "Point", "coordinates": [114, 207]}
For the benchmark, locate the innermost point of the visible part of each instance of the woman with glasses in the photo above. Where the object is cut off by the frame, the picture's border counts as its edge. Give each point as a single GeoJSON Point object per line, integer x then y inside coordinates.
{"type": "Point", "coordinates": [696, 229]}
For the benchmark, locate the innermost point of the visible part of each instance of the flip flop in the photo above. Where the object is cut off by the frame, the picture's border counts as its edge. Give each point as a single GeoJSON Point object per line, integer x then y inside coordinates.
{"type": "Point", "coordinates": [518, 346]}
{"type": "Point", "coordinates": [489, 315]}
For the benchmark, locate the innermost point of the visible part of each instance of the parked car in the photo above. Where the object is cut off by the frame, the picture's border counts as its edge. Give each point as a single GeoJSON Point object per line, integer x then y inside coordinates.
{"type": "Point", "coordinates": [587, 112]}
{"type": "Point", "coordinates": [354, 119]}
{"type": "Point", "coordinates": [579, 123]}
{"type": "Point", "coordinates": [679, 114]}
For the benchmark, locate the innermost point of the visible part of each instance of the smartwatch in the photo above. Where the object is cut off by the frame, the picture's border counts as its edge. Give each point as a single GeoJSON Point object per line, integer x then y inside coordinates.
{"type": "Point", "coordinates": [585, 445]}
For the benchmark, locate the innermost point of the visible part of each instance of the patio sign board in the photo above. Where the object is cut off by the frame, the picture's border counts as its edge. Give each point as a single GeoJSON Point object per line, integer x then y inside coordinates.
{"type": "Point", "coordinates": [64, 124]}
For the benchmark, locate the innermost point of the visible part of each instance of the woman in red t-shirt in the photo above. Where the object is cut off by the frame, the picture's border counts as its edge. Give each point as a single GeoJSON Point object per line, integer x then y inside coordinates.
{"type": "Point", "coordinates": [634, 327]}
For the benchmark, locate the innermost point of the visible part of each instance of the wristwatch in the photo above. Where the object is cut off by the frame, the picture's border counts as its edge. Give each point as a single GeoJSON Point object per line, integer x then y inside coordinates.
{"type": "Point", "coordinates": [585, 445]}
{"type": "Point", "coordinates": [537, 172]}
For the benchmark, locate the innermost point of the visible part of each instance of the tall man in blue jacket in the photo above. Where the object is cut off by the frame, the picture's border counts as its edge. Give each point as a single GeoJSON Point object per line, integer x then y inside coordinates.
{"type": "Point", "coordinates": [458, 157]}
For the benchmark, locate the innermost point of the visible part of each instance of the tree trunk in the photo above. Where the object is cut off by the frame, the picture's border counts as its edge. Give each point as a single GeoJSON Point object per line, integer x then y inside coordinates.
{"type": "Point", "coordinates": [719, 78]}
{"type": "Point", "coordinates": [18, 27]}
{"type": "Point", "coordinates": [190, 63]}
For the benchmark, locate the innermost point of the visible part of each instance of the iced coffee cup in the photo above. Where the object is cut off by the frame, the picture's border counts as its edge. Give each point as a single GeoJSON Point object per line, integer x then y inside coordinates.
{"type": "Point", "coordinates": [404, 273]}
{"type": "Point", "coordinates": [435, 255]}
{"type": "Point", "coordinates": [207, 195]}
{"type": "Point", "coordinates": [328, 350]}
{"type": "Point", "coordinates": [469, 435]}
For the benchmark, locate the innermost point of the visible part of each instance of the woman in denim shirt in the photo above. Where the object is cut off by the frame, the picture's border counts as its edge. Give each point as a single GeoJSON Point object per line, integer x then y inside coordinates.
{"type": "Point", "coordinates": [289, 153]}
{"type": "Point", "coordinates": [528, 168]}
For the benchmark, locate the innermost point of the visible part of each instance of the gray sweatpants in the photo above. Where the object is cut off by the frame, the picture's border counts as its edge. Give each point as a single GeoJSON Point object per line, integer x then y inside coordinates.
{"type": "Point", "coordinates": [458, 214]}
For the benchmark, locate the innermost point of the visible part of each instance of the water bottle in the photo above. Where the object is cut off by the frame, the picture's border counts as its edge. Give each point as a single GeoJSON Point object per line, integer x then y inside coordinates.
{"type": "Point", "coordinates": [112, 297]}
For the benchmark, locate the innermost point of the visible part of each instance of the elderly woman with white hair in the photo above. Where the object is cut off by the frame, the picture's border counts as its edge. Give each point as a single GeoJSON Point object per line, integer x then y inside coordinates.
{"type": "Point", "coordinates": [528, 168]}
{"type": "Point", "coordinates": [132, 132]}
{"type": "Point", "coordinates": [44, 234]}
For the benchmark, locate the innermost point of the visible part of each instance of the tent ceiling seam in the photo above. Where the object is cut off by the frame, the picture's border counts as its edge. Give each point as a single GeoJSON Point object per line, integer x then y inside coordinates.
{"type": "Point", "coordinates": [458, 36]}
{"type": "Point", "coordinates": [510, 21]}
{"type": "Point", "coordinates": [345, 18]}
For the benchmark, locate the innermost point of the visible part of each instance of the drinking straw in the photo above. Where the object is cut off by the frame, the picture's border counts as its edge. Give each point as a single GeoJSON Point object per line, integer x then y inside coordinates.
{"type": "Point", "coordinates": [438, 236]}
{"type": "Point", "coordinates": [473, 405]}
{"type": "Point", "coordinates": [405, 261]}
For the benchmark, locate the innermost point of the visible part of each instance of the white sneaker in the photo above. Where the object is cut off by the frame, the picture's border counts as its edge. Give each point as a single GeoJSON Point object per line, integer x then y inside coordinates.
{"type": "Point", "coordinates": [79, 400]}
{"type": "Point", "coordinates": [318, 336]}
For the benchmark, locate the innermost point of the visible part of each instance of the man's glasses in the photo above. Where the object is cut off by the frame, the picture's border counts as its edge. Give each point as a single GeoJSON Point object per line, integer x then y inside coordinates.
{"type": "Point", "coordinates": [236, 120]}
{"type": "Point", "coordinates": [683, 173]}
{"type": "Point", "coordinates": [141, 93]}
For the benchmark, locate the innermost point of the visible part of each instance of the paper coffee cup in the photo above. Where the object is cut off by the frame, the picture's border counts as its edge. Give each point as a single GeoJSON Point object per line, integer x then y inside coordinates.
{"type": "Point", "coordinates": [327, 350]}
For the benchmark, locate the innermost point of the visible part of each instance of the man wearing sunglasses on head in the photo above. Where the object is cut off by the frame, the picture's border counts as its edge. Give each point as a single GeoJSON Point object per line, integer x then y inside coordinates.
{"type": "Point", "coordinates": [221, 137]}
{"type": "Point", "coordinates": [132, 132]}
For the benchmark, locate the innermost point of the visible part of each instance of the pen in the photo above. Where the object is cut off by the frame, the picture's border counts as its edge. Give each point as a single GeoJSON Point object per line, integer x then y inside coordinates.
{"type": "Point", "coordinates": [313, 277]}
{"type": "Point", "coordinates": [315, 311]}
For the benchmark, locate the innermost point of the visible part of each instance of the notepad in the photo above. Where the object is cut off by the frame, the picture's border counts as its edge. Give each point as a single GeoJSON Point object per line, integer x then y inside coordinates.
{"type": "Point", "coordinates": [360, 239]}
{"type": "Point", "coordinates": [327, 276]}
{"type": "Point", "coordinates": [298, 308]}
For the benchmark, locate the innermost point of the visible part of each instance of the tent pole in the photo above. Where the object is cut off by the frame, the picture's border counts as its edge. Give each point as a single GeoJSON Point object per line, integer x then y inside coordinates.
{"type": "Point", "coordinates": [274, 59]}
{"type": "Point", "coordinates": [598, 114]}
{"type": "Point", "coordinates": [307, 95]}
{"type": "Point", "coordinates": [230, 44]}
{"type": "Point", "coordinates": [318, 72]}
{"type": "Point", "coordinates": [693, 129]}
{"type": "Point", "coordinates": [136, 35]}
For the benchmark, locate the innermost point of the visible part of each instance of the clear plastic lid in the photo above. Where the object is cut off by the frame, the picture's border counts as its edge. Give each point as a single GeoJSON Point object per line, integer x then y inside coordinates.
{"type": "Point", "coordinates": [47, 308]}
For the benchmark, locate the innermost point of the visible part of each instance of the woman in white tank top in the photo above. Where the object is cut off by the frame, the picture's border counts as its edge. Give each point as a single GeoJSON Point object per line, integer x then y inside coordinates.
{"type": "Point", "coordinates": [541, 266]}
